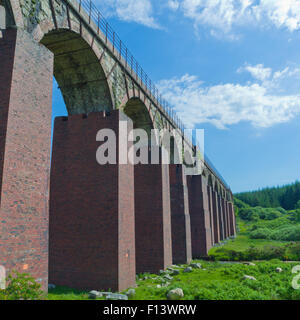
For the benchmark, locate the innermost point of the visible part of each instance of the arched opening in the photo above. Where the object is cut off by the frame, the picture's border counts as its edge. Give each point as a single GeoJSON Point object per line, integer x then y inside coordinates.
{"type": "Point", "coordinates": [136, 110]}
{"type": "Point", "coordinates": [216, 187]}
{"type": "Point", "coordinates": [210, 182]}
{"type": "Point", "coordinates": [78, 73]}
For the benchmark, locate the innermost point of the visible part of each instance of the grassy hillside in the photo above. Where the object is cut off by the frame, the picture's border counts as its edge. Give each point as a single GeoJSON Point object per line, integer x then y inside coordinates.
{"type": "Point", "coordinates": [287, 197]}
{"type": "Point", "coordinates": [263, 234]}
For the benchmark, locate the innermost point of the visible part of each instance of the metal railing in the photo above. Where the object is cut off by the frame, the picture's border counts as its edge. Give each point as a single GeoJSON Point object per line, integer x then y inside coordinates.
{"type": "Point", "coordinates": [124, 56]}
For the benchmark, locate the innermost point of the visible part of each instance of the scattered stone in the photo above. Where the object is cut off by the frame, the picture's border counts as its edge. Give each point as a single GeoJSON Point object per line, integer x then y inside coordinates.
{"type": "Point", "coordinates": [145, 278]}
{"type": "Point", "coordinates": [249, 278]}
{"type": "Point", "coordinates": [130, 293]}
{"type": "Point", "coordinates": [116, 296]}
{"type": "Point", "coordinates": [168, 277]}
{"type": "Point", "coordinates": [95, 294]}
{"type": "Point", "coordinates": [279, 270]}
{"type": "Point", "coordinates": [166, 284]}
{"type": "Point", "coordinates": [158, 286]}
{"type": "Point", "coordinates": [188, 269]}
{"type": "Point", "coordinates": [51, 286]}
{"type": "Point", "coordinates": [249, 264]}
{"type": "Point", "coordinates": [175, 273]}
{"type": "Point", "coordinates": [196, 265]}
{"type": "Point", "coordinates": [175, 294]}
{"type": "Point", "coordinates": [106, 293]}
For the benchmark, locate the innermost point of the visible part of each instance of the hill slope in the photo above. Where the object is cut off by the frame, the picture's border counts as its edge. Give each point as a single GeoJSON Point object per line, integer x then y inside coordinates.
{"type": "Point", "coordinates": [287, 197]}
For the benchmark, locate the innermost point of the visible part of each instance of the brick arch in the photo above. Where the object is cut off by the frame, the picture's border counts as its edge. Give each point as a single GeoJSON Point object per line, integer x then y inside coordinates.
{"type": "Point", "coordinates": [77, 69]}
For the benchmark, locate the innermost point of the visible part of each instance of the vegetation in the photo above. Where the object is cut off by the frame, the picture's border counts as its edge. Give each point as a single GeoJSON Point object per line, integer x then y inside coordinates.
{"type": "Point", "coordinates": [214, 281]}
{"type": "Point", "coordinates": [287, 197]}
{"type": "Point", "coordinates": [264, 233]}
{"type": "Point", "coordinates": [21, 286]}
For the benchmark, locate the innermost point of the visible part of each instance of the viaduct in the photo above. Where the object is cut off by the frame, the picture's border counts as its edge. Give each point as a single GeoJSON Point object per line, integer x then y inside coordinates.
{"type": "Point", "coordinates": [67, 219]}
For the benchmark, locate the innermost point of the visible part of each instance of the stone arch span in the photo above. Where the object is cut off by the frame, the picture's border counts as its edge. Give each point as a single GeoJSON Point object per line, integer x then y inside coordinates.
{"type": "Point", "coordinates": [78, 72]}
{"type": "Point", "coordinates": [137, 111]}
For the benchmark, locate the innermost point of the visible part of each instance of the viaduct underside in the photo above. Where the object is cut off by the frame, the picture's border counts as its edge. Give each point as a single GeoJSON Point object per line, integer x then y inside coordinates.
{"type": "Point", "coordinates": [67, 219]}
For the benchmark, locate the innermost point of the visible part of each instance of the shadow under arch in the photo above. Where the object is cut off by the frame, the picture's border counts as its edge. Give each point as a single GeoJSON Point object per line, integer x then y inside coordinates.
{"type": "Point", "coordinates": [78, 72]}
{"type": "Point", "coordinates": [137, 111]}
{"type": "Point", "coordinates": [210, 181]}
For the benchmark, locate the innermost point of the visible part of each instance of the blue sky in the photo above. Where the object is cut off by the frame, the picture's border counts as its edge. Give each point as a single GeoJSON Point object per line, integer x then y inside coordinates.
{"type": "Point", "coordinates": [231, 67]}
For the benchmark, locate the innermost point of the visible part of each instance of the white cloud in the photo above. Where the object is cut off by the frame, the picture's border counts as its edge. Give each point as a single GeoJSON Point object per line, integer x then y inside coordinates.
{"type": "Point", "coordinates": [258, 72]}
{"type": "Point", "coordinates": [139, 11]}
{"type": "Point", "coordinates": [173, 4]}
{"type": "Point", "coordinates": [221, 16]}
{"type": "Point", "coordinates": [262, 104]}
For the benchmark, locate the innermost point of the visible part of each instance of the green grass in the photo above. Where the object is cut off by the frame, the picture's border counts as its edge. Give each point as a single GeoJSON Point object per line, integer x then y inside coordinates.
{"type": "Point", "coordinates": [243, 242]}
{"type": "Point", "coordinates": [63, 293]}
{"type": "Point", "coordinates": [220, 281]}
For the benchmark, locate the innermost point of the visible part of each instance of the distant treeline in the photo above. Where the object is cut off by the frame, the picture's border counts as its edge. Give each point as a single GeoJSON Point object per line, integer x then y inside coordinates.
{"type": "Point", "coordinates": [287, 197]}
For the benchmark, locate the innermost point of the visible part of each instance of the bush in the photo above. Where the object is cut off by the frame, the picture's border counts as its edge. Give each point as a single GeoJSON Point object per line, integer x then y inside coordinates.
{"type": "Point", "coordinates": [260, 233]}
{"type": "Point", "coordinates": [21, 286]}
{"type": "Point", "coordinates": [286, 233]}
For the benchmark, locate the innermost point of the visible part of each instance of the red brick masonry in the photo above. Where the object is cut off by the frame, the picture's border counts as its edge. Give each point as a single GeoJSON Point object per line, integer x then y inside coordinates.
{"type": "Point", "coordinates": [180, 216]}
{"type": "Point", "coordinates": [152, 218]}
{"type": "Point", "coordinates": [92, 237]}
{"type": "Point", "coordinates": [25, 132]}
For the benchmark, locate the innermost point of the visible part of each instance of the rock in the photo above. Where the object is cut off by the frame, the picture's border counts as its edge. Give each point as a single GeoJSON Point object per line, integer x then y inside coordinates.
{"type": "Point", "coordinates": [175, 294]}
{"type": "Point", "coordinates": [249, 264]}
{"type": "Point", "coordinates": [158, 286]}
{"type": "Point", "coordinates": [51, 286]}
{"type": "Point", "coordinates": [166, 284]}
{"type": "Point", "coordinates": [188, 269]}
{"type": "Point", "coordinates": [162, 272]}
{"type": "Point", "coordinates": [95, 294]}
{"type": "Point", "coordinates": [130, 293]}
{"type": "Point", "coordinates": [116, 296]}
{"type": "Point", "coordinates": [196, 265]}
{"type": "Point", "coordinates": [168, 277]}
{"type": "Point", "coordinates": [279, 270]}
{"type": "Point", "coordinates": [249, 278]}
{"type": "Point", "coordinates": [175, 273]}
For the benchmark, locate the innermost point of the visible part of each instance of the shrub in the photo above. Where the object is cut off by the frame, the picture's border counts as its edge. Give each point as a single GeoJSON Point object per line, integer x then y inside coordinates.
{"type": "Point", "coordinates": [260, 233]}
{"type": "Point", "coordinates": [21, 286]}
{"type": "Point", "coordinates": [287, 233]}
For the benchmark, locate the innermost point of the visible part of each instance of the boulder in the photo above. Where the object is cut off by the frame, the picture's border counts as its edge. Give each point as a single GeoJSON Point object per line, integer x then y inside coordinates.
{"type": "Point", "coordinates": [188, 269]}
{"type": "Point", "coordinates": [130, 293]}
{"type": "Point", "coordinates": [279, 270]}
{"type": "Point", "coordinates": [175, 294]}
{"type": "Point", "coordinates": [168, 277]}
{"type": "Point", "coordinates": [196, 265]}
{"type": "Point", "coordinates": [175, 273]}
{"type": "Point", "coordinates": [116, 296]}
{"type": "Point", "coordinates": [249, 278]}
{"type": "Point", "coordinates": [95, 294]}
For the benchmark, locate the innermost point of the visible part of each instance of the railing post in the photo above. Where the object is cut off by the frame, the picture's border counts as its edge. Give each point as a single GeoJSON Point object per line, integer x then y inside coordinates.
{"type": "Point", "coordinates": [90, 11]}
{"type": "Point", "coordinates": [98, 22]}
{"type": "Point", "coordinates": [106, 27]}
{"type": "Point", "coordinates": [113, 42]}
{"type": "Point", "coordinates": [79, 5]}
{"type": "Point", "coordinates": [120, 49]}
